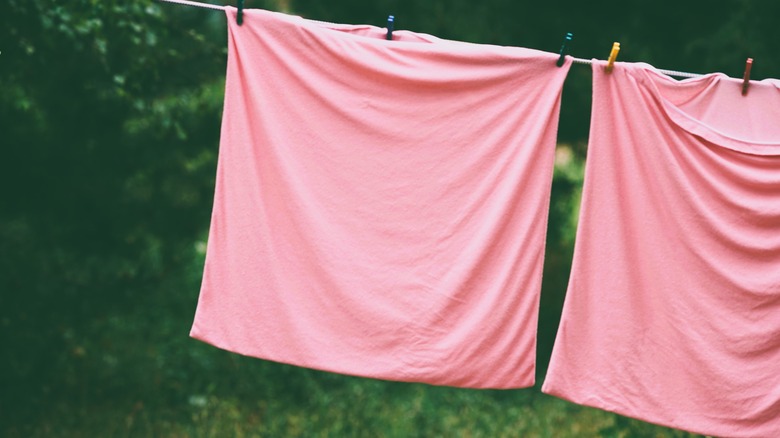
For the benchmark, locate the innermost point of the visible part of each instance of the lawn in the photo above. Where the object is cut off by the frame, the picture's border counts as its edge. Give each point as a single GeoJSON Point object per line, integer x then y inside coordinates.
{"type": "Point", "coordinates": [131, 370]}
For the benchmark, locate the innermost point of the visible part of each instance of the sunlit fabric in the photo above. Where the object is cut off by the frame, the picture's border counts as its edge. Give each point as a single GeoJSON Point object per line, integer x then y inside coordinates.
{"type": "Point", "coordinates": [672, 314]}
{"type": "Point", "coordinates": [380, 206]}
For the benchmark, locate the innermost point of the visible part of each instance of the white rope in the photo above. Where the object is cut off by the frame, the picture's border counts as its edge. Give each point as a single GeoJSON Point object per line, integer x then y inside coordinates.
{"type": "Point", "coordinates": [681, 74]}
{"type": "Point", "coordinates": [196, 4]}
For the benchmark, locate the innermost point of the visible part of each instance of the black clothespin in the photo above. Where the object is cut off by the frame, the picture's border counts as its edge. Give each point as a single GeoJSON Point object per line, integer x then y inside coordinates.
{"type": "Point", "coordinates": [566, 40]}
{"type": "Point", "coordinates": [746, 76]}
{"type": "Point", "coordinates": [390, 25]}
{"type": "Point", "coordinates": [240, 17]}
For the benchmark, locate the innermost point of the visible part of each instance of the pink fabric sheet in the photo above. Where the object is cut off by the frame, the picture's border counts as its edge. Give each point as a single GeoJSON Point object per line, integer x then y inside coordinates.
{"type": "Point", "coordinates": [672, 314]}
{"type": "Point", "coordinates": [380, 206]}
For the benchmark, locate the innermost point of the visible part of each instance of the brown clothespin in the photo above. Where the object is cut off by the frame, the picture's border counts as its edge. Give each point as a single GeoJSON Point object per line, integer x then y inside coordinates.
{"type": "Point", "coordinates": [746, 76]}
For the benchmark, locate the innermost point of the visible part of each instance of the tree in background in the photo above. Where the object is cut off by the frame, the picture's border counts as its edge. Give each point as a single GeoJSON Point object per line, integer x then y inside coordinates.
{"type": "Point", "coordinates": [110, 120]}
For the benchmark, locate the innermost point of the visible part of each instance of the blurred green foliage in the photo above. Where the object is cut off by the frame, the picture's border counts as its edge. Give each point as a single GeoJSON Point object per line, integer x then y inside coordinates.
{"type": "Point", "coordinates": [109, 120]}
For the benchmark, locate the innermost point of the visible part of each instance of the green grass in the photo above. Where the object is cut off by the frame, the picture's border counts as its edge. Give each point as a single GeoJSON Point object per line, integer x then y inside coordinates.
{"type": "Point", "coordinates": [135, 372]}
{"type": "Point", "coordinates": [119, 363]}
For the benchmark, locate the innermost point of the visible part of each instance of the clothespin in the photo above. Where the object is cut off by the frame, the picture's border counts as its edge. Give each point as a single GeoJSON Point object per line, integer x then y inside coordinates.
{"type": "Point", "coordinates": [390, 25]}
{"type": "Point", "coordinates": [746, 76]}
{"type": "Point", "coordinates": [240, 17]}
{"type": "Point", "coordinates": [566, 40]}
{"type": "Point", "coordinates": [612, 57]}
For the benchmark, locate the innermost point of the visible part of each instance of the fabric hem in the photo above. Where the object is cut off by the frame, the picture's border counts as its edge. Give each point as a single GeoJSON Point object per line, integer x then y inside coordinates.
{"type": "Point", "coordinates": [648, 78]}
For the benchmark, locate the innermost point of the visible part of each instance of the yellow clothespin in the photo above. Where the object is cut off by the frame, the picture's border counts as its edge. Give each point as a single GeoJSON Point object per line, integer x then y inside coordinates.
{"type": "Point", "coordinates": [612, 56]}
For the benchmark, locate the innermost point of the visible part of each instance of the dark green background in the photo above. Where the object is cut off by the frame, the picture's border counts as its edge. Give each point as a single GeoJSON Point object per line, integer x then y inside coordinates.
{"type": "Point", "coordinates": [109, 127]}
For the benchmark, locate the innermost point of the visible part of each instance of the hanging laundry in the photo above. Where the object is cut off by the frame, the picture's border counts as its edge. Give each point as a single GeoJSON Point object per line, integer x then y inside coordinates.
{"type": "Point", "coordinates": [672, 314]}
{"type": "Point", "coordinates": [380, 206]}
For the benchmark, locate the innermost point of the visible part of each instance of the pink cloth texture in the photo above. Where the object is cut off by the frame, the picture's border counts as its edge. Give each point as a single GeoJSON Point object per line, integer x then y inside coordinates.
{"type": "Point", "coordinates": [380, 206]}
{"type": "Point", "coordinates": [672, 313]}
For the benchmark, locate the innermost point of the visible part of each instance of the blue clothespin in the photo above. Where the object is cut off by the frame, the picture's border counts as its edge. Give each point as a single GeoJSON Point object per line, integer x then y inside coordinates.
{"type": "Point", "coordinates": [240, 17]}
{"type": "Point", "coordinates": [566, 40]}
{"type": "Point", "coordinates": [390, 25]}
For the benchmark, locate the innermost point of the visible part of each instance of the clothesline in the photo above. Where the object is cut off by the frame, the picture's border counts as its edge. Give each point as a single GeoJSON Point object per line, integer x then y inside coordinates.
{"type": "Point", "coordinates": [575, 60]}
{"type": "Point", "coordinates": [681, 74]}
{"type": "Point", "coordinates": [196, 4]}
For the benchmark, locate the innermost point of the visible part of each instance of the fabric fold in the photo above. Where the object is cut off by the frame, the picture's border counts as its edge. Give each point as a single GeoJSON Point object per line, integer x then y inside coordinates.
{"type": "Point", "coordinates": [380, 206]}
{"type": "Point", "coordinates": [672, 313]}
